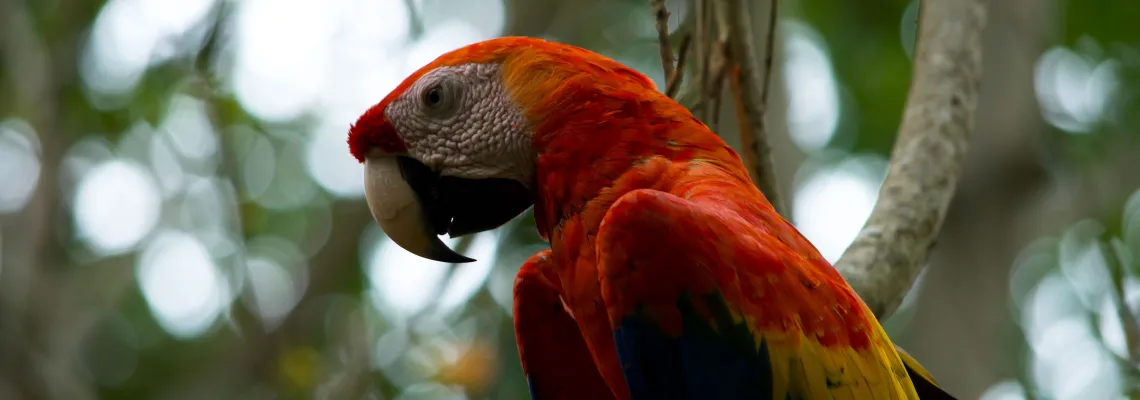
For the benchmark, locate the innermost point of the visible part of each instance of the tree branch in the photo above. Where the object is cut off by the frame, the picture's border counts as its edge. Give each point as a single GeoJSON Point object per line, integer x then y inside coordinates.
{"type": "Point", "coordinates": [719, 65]}
{"type": "Point", "coordinates": [887, 255]}
{"type": "Point", "coordinates": [752, 91]}
{"type": "Point", "coordinates": [673, 82]}
{"type": "Point", "coordinates": [701, 37]}
{"type": "Point", "coordinates": [674, 67]}
{"type": "Point", "coordinates": [661, 15]}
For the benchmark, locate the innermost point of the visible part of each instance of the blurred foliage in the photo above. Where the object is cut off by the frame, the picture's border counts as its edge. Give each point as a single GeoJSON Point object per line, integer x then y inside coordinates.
{"type": "Point", "coordinates": [871, 63]}
{"type": "Point", "coordinates": [77, 323]}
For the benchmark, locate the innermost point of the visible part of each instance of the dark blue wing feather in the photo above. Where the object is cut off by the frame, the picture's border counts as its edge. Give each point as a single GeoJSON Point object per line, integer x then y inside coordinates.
{"type": "Point", "coordinates": [658, 366]}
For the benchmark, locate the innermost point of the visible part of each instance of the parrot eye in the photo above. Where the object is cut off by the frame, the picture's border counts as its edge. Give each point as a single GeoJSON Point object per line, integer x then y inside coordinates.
{"type": "Point", "coordinates": [433, 97]}
{"type": "Point", "coordinates": [442, 98]}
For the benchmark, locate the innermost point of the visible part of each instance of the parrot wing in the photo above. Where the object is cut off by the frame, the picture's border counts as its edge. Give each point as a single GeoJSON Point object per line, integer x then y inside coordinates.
{"type": "Point", "coordinates": [554, 356]}
{"type": "Point", "coordinates": [690, 284]}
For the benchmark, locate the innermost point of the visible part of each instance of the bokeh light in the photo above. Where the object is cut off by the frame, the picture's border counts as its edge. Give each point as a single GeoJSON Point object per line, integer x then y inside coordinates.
{"type": "Point", "coordinates": [1068, 358]}
{"type": "Point", "coordinates": [277, 274]}
{"type": "Point", "coordinates": [117, 203]}
{"type": "Point", "coordinates": [19, 164]}
{"type": "Point", "coordinates": [128, 36]}
{"type": "Point", "coordinates": [813, 94]}
{"type": "Point", "coordinates": [342, 176]}
{"type": "Point", "coordinates": [279, 69]}
{"type": "Point", "coordinates": [168, 170]}
{"type": "Point", "coordinates": [1074, 90]}
{"type": "Point", "coordinates": [188, 129]}
{"type": "Point", "coordinates": [1110, 327]}
{"type": "Point", "coordinates": [471, 276]}
{"type": "Point", "coordinates": [1130, 225]}
{"type": "Point", "coordinates": [832, 202]}
{"type": "Point", "coordinates": [1004, 390]}
{"type": "Point", "coordinates": [290, 186]}
{"type": "Point", "coordinates": [403, 283]}
{"type": "Point", "coordinates": [182, 284]}
{"type": "Point", "coordinates": [258, 160]}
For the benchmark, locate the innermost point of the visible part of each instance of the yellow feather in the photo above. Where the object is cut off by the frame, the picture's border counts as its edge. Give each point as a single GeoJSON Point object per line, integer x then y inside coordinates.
{"type": "Point", "coordinates": [802, 368]}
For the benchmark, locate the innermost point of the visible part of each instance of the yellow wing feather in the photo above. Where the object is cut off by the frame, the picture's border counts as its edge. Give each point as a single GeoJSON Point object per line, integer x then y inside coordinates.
{"type": "Point", "coordinates": [803, 368]}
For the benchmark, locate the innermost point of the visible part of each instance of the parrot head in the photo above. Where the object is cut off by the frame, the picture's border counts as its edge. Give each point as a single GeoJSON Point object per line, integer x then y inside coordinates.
{"type": "Point", "coordinates": [452, 148]}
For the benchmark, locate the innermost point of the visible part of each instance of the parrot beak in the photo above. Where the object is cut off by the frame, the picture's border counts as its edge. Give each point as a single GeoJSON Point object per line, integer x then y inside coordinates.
{"type": "Point", "coordinates": [400, 213]}
{"type": "Point", "coordinates": [414, 204]}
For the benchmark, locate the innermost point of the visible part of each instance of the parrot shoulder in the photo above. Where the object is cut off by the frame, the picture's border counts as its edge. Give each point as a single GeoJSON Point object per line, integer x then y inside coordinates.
{"type": "Point", "coordinates": [689, 283]}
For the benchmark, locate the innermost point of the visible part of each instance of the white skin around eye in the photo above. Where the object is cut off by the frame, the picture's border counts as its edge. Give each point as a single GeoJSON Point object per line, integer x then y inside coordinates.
{"type": "Point", "coordinates": [485, 137]}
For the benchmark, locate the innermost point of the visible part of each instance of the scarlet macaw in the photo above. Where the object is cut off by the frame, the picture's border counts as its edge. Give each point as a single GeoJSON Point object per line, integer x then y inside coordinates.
{"type": "Point", "coordinates": [670, 276]}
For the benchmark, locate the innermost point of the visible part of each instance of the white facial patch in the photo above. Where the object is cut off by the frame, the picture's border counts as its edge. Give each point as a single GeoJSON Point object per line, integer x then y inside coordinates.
{"type": "Point", "coordinates": [485, 136]}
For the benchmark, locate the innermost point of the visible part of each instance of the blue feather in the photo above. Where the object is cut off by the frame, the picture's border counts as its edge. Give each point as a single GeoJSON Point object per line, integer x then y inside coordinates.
{"type": "Point", "coordinates": [657, 366]}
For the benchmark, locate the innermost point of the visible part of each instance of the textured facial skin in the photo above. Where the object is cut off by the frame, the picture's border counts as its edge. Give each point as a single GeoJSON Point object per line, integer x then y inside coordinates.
{"type": "Point", "coordinates": [482, 135]}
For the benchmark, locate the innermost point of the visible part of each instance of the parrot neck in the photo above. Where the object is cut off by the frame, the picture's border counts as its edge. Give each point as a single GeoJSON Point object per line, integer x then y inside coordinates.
{"type": "Point", "coordinates": [588, 159]}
